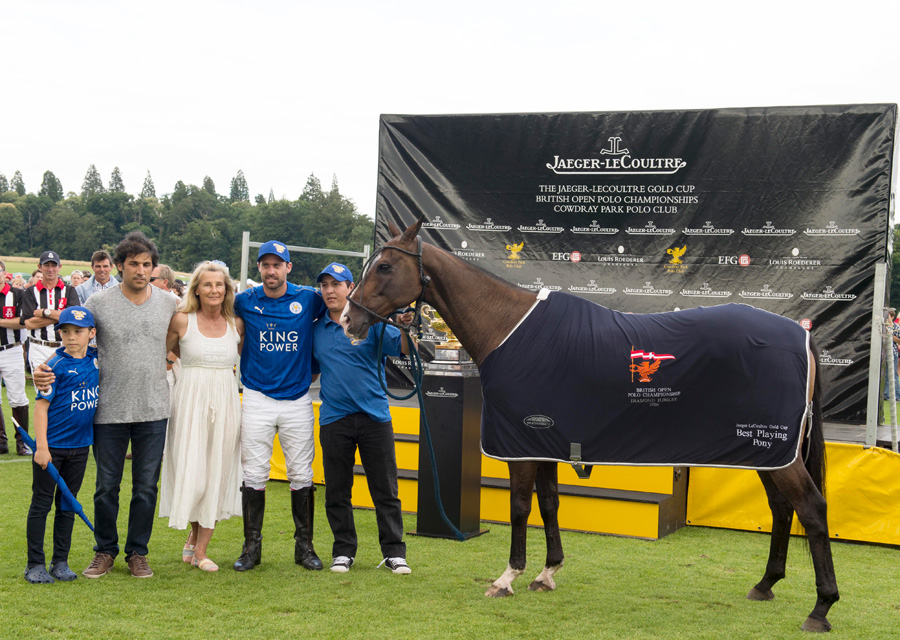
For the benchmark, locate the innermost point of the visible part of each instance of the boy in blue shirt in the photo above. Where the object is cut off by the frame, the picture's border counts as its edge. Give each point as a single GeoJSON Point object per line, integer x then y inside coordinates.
{"type": "Point", "coordinates": [63, 424]}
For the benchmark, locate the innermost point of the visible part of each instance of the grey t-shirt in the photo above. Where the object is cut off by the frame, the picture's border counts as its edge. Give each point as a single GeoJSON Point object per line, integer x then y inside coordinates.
{"type": "Point", "coordinates": [131, 340]}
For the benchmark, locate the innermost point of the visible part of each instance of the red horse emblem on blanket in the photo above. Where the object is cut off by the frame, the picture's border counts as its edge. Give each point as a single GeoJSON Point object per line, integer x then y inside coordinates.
{"type": "Point", "coordinates": [646, 369]}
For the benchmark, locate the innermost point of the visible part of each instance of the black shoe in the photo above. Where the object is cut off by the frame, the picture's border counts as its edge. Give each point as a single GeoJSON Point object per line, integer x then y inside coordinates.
{"type": "Point", "coordinates": [341, 564]}
{"type": "Point", "coordinates": [397, 565]}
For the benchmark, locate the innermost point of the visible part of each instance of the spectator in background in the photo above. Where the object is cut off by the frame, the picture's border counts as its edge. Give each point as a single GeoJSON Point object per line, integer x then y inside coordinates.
{"type": "Point", "coordinates": [178, 288]}
{"type": "Point", "coordinates": [36, 277]}
{"type": "Point", "coordinates": [12, 363]}
{"type": "Point", "coordinates": [41, 307]}
{"type": "Point", "coordinates": [101, 263]}
{"type": "Point", "coordinates": [18, 281]}
{"type": "Point", "coordinates": [894, 328]}
{"type": "Point", "coordinates": [76, 278]}
{"type": "Point", "coordinates": [162, 277]}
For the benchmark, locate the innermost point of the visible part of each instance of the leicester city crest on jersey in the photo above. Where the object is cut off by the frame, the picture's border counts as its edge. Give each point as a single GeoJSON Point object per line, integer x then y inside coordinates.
{"type": "Point", "coordinates": [296, 307]}
{"type": "Point", "coordinates": [96, 364]}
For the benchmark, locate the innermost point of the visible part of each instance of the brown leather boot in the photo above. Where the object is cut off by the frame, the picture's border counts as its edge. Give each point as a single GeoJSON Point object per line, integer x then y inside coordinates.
{"type": "Point", "coordinates": [20, 415]}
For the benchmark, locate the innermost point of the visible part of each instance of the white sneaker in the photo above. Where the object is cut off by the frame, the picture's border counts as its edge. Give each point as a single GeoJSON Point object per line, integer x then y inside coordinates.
{"type": "Point", "coordinates": [341, 564]}
{"type": "Point", "coordinates": [396, 565]}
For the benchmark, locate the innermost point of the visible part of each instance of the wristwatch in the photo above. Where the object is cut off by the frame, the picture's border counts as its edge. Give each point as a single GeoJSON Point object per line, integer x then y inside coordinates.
{"type": "Point", "coordinates": [46, 313]}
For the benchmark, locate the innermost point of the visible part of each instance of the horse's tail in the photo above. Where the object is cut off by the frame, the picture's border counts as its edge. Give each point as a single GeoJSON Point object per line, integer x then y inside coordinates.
{"type": "Point", "coordinates": [814, 457]}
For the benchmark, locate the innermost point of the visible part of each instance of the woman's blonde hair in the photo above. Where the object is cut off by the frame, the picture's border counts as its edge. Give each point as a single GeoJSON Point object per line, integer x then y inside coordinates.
{"type": "Point", "coordinates": [191, 302]}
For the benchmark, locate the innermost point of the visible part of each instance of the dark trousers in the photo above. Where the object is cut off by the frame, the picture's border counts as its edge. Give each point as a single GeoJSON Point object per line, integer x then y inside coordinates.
{"type": "Point", "coordinates": [375, 441]}
{"type": "Point", "coordinates": [71, 464]}
{"type": "Point", "coordinates": [148, 439]}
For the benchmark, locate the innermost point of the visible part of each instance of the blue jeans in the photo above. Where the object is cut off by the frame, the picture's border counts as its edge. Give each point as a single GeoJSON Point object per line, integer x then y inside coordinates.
{"type": "Point", "coordinates": [375, 440]}
{"type": "Point", "coordinates": [148, 440]}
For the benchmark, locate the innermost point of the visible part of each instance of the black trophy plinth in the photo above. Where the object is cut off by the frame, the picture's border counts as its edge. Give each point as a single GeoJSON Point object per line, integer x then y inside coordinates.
{"type": "Point", "coordinates": [452, 395]}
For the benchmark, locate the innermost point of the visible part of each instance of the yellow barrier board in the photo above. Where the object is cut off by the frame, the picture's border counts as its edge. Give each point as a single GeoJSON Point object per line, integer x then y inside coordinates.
{"type": "Point", "coordinates": [616, 517]}
{"type": "Point", "coordinates": [406, 421]}
{"type": "Point", "coordinates": [862, 487]}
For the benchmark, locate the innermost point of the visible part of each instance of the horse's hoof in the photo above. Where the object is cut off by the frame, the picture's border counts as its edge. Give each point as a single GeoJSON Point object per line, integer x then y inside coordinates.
{"type": "Point", "coordinates": [498, 592]}
{"type": "Point", "coordinates": [816, 626]}
{"type": "Point", "coordinates": [756, 594]}
{"type": "Point", "coordinates": [541, 586]}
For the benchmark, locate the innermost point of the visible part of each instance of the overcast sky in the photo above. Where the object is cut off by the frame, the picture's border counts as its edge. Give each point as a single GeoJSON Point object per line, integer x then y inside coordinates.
{"type": "Point", "coordinates": [282, 89]}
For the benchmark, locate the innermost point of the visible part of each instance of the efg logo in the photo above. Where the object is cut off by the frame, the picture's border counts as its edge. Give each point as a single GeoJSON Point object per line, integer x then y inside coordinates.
{"type": "Point", "coordinates": [574, 256]}
{"type": "Point", "coordinates": [742, 260]}
{"type": "Point", "coordinates": [538, 422]}
{"type": "Point", "coordinates": [616, 160]}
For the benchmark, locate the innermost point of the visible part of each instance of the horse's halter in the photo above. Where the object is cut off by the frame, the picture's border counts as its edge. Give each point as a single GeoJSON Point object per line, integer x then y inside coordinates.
{"type": "Point", "coordinates": [423, 278]}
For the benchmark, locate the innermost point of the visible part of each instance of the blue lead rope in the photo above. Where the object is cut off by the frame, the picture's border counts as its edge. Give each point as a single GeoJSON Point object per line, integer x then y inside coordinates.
{"type": "Point", "coordinates": [417, 371]}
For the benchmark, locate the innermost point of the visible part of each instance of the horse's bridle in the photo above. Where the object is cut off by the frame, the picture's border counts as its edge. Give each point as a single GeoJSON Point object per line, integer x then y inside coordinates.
{"type": "Point", "coordinates": [423, 278]}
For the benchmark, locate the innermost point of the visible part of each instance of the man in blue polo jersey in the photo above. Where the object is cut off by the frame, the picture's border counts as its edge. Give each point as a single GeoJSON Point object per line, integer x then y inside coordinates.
{"type": "Point", "coordinates": [275, 369]}
{"type": "Point", "coordinates": [355, 414]}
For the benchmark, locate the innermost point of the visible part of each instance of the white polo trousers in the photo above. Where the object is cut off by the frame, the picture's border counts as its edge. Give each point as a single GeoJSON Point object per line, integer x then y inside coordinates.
{"type": "Point", "coordinates": [293, 420]}
{"type": "Point", "coordinates": [12, 370]}
{"type": "Point", "coordinates": [38, 354]}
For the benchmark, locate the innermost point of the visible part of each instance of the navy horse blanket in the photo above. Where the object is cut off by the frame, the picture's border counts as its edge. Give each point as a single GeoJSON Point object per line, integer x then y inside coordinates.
{"type": "Point", "coordinates": [723, 386]}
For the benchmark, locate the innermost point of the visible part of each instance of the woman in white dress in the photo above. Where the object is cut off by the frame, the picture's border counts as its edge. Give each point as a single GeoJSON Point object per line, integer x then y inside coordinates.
{"type": "Point", "coordinates": [201, 472]}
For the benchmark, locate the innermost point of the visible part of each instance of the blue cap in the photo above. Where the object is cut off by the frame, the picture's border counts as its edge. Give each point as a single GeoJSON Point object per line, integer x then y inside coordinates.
{"type": "Point", "coordinates": [275, 248]}
{"type": "Point", "coordinates": [78, 316]}
{"type": "Point", "coordinates": [338, 271]}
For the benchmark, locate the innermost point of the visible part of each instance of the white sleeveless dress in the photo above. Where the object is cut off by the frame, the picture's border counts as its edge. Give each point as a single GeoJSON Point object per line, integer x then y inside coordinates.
{"type": "Point", "coordinates": [201, 470]}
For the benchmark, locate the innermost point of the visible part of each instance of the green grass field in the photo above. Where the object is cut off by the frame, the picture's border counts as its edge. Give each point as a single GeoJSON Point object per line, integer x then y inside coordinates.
{"type": "Point", "coordinates": [27, 265]}
{"type": "Point", "coordinates": [689, 585]}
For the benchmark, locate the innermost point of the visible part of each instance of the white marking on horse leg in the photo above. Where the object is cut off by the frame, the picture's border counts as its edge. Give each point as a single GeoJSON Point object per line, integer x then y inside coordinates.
{"type": "Point", "coordinates": [502, 586]}
{"type": "Point", "coordinates": [544, 581]}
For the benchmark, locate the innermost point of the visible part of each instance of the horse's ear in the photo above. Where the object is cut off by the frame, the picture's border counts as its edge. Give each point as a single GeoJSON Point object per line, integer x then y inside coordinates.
{"type": "Point", "coordinates": [393, 230]}
{"type": "Point", "coordinates": [413, 230]}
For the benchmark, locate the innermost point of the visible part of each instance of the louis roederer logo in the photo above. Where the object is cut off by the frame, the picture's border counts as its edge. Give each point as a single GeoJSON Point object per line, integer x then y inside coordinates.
{"type": "Point", "coordinates": [616, 160]}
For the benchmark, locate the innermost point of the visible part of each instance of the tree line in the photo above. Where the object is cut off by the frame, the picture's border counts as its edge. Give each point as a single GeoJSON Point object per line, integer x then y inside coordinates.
{"type": "Point", "coordinates": [190, 224]}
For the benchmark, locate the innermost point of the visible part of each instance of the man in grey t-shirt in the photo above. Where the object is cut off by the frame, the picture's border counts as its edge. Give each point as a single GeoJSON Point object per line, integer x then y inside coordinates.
{"type": "Point", "coordinates": [132, 320]}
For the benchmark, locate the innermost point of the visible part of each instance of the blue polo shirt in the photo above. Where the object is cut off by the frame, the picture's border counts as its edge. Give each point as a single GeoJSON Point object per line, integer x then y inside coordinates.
{"type": "Point", "coordinates": [349, 375]}
{"type": "Point", "coordinates": [73, 400]}
{"type": "Point", "coordinates": [277, 349]}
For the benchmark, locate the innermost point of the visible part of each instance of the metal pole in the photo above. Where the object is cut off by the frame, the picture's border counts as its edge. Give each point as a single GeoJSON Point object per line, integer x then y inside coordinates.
{"type": "Point", "coordinates": [874, 395]}
{"type": "Point", "coordinates": [245, 256]}
{"type": "Point", "coordinates": [246, 245]}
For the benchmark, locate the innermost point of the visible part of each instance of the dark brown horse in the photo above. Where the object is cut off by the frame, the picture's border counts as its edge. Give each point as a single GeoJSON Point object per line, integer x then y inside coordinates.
{"type": "Point", "coordinates": [482, 310]}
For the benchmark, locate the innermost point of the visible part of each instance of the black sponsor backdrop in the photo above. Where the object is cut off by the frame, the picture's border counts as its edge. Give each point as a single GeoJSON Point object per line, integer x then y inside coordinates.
{"type": "Point", "coordinates": [783, 208]}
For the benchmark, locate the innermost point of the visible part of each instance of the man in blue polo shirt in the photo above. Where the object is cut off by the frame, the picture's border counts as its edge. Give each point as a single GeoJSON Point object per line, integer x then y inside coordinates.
{"type": "Point", "coordinates": [275, 370]}
{"type": "Point", "coordinates": [354, 414]}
